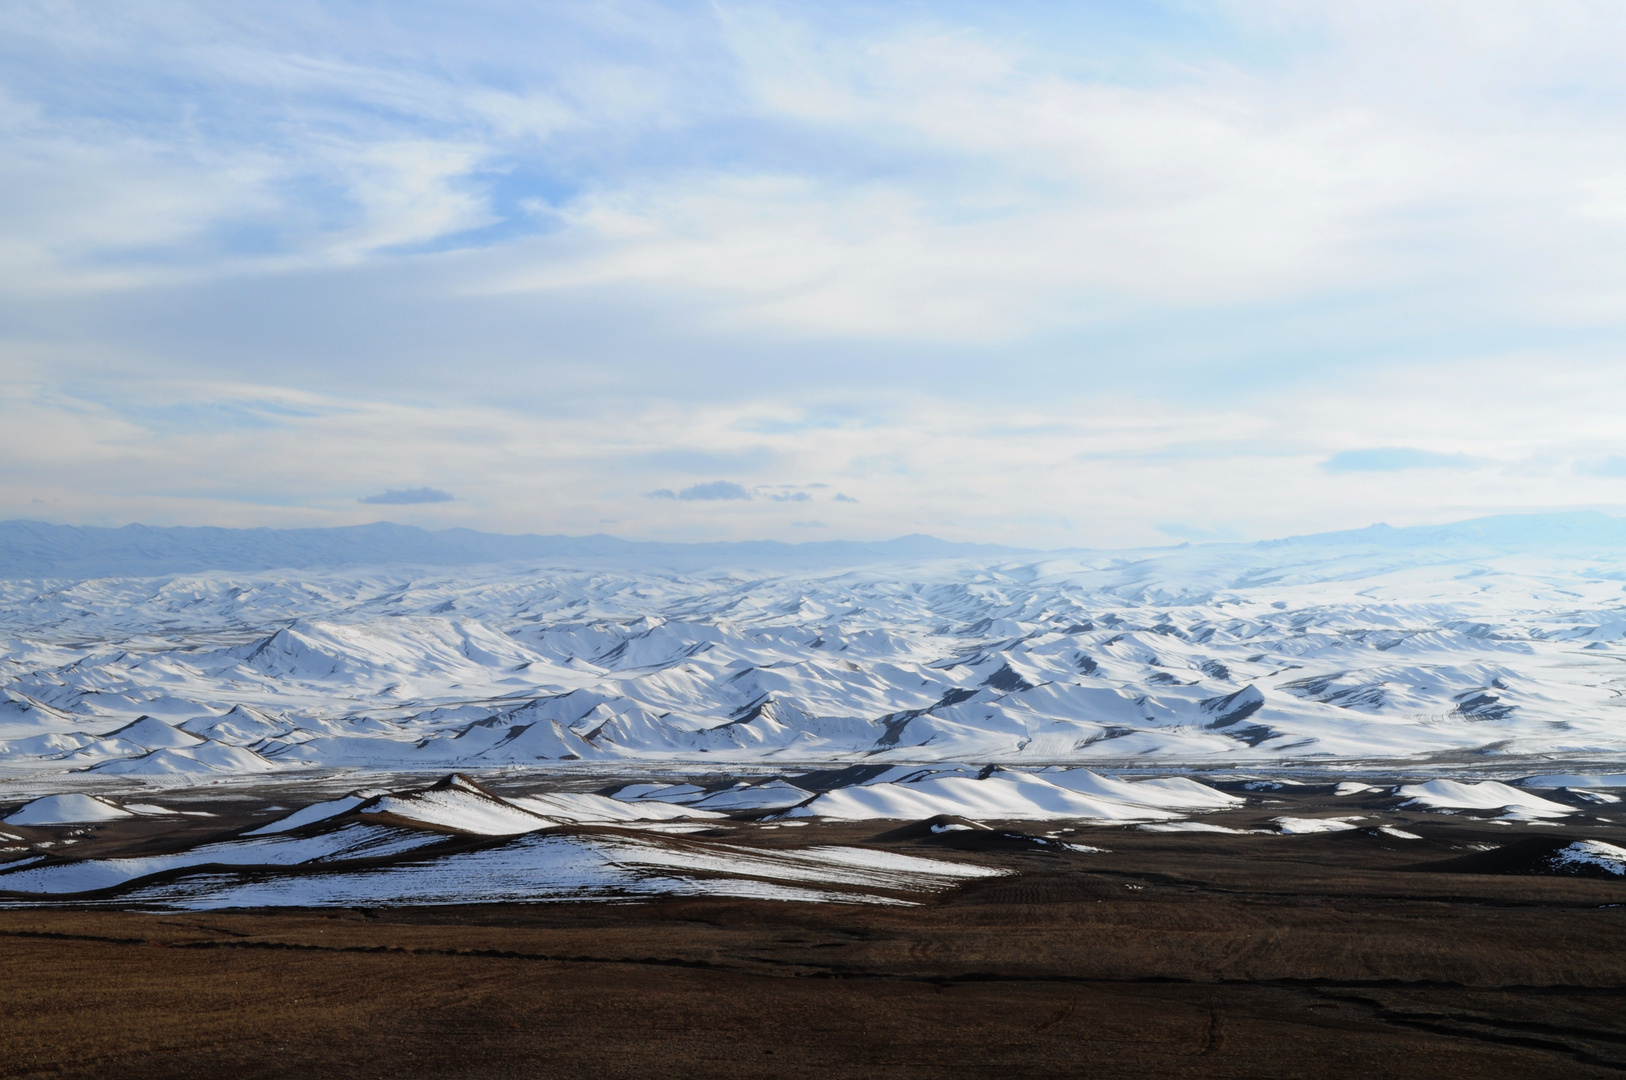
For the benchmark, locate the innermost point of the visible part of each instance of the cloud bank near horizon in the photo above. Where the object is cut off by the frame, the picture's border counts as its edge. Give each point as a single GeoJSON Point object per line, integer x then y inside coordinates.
{"type": "Point", "coordinates": [996, 272]}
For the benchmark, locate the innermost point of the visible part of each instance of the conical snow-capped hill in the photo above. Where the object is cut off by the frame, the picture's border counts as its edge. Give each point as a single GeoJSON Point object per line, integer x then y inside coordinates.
{"type": "Point", "coordinates": [153, 734]}
{"type": "Point", "coordinates": [395, 648]}
{"type": "Point", "coordinates": [295, 652]}
{"type": "Point", "coordinates": [203, 759]}
{"type": "Point", "coordinates": [240, 726]}
{"type": "Point", "coordinates": [545, 740]}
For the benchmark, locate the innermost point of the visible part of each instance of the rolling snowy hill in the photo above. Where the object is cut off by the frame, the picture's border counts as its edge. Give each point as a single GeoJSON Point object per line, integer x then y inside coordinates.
{"type": "Point", "coordinates": [1461, 642]}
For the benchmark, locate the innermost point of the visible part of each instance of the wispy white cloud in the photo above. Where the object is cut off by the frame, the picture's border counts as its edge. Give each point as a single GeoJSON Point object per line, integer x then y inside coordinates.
{"type": "Point", "coordinates": [955, 179]}
{"type": "Point", "coordinates": [1395, 458]}
{"type": "Point", "coordinates": [1117, 475]}
{"type": "Point", "coordinates": [1034, 274]}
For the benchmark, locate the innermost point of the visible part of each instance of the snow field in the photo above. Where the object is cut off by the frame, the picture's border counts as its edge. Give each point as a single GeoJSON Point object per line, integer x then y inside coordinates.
{"type": "Point", "coordinates": [521, 866]}
{"type": "Point", "coordinates": [1485, 795]}
{"type": "Point", "coordinates": [1195, 658]}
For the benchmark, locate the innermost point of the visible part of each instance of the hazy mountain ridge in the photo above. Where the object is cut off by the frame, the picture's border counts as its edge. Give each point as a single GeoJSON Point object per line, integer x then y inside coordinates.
{"type": "Point", "coordinates": [1214, 655]}
{"type": "Point", "coordinates": [34, 549]}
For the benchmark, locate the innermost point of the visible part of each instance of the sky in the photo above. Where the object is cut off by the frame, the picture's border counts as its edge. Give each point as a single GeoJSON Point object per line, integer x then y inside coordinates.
{"type": "Point", "coordinates": [1097, 274]}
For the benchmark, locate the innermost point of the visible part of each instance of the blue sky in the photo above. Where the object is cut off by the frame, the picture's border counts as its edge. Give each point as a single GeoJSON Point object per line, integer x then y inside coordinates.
{"type": "Point", "coordinates": [1093, 274]}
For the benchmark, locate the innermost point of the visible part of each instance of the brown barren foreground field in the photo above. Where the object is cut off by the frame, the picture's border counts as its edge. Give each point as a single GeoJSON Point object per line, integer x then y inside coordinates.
{"type": "Point", "coordinates": [1170, 955]}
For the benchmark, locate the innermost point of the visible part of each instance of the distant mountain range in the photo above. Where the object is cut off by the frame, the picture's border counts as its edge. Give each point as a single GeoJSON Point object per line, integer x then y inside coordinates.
{"type": "Point", "coordinates": [34, 549]}
{"type": "Point", "coordinates": [30, 549]}
{"type": "Point", "coordinates": [1475, 645]}
{"type": "Point", "coordinates": [1503, 532]}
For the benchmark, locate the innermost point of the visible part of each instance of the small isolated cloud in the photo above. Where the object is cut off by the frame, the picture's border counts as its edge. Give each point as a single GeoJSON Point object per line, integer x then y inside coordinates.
{"type": "Point", "coordinates": [795, 496]}
{"type": "Point", "coordinates": [1196, 533]}
{"type": "Point", "coordinates": [717, 489]}
{"type": "Point", "coordinates": [810, 525]}
{"type": "Point", "coordinates": [408, 497]}
{"type": "Point", "coordinates": [844, 498]}
{"type": "Point", "coordinates": [1393, 458]}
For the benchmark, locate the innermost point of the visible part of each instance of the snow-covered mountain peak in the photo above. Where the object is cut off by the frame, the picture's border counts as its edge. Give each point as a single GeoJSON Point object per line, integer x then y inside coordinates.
{"type": "Point", "coordinates": [154, 734]}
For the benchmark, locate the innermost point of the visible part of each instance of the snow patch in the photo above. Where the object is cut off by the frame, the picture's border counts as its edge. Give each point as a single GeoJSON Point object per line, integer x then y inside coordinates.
{"type": "Point", "coordinates": [66, 810]}
{"type": "Point", "coordinates": [1013, 795]}
{"type": "Point", "coordinates": [1299, 826]}
{"type": "Point", "coordinates": [1485, 795]}
{"type": "Point", "coordinates": [311, 814]}
{"type": "Point", "coordinates": [1597, 853]}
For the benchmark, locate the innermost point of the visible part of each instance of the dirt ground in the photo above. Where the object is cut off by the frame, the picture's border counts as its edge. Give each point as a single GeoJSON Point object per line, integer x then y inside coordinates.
{"type": "Point", "coordinates": [1167, 955]}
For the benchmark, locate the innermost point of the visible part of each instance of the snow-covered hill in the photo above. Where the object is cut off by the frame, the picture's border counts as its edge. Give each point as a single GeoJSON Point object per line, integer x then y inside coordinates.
{"type": "Point", "coordinates": [1334, 648]}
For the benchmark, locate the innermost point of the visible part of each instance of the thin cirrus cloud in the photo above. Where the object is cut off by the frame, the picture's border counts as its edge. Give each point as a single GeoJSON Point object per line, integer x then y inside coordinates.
{"type": "Point", "coordinates": [408, 497]}
{"type": "Point", "coordinates": [1613, 465]}
{"type": "Point", "coordinates": [761, 241]}
{"type": "Point", "coordinates": [948, 471]}
{"type": "Point", "coordinates": [1394, 459]}
{"type": "Point", "coordinates": [1196, 534]}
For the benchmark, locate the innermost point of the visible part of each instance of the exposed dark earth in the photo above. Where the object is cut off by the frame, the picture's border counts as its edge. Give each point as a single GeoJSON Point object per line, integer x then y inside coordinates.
{"type": "Point", "coordinates": [1345, 954]}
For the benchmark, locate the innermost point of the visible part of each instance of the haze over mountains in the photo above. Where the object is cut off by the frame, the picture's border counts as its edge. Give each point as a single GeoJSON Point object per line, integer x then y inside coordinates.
{"type": "Point", "coordinates": [37, 549]}
{"type": "Point", "coordinates": [1494, 639]}
{"type": "Point", "coordinates": [30, 549]}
